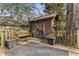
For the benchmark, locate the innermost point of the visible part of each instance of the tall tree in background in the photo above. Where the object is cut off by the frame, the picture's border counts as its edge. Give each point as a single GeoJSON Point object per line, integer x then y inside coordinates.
{"type": "Point", "coordinates": [15, 9]}
{"type": "Point", "coordinates": [59, 8]}
{"type": "Point", "coordinates": [20, 9]}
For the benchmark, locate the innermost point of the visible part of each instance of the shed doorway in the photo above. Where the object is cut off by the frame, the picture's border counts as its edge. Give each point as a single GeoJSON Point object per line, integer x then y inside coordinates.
{"type": "Point", "coordinates": [39, 30]}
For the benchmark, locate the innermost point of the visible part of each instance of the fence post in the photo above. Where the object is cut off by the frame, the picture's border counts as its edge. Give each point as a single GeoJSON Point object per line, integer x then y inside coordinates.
{"type": "Point", "coordinates": [6, 35]}
{"type": "Point", "coordinates": [2, 38]}
{"type": "Point", "coordinates": [77, 38]}
{"type": "Point", "coordinates": [9, 33]}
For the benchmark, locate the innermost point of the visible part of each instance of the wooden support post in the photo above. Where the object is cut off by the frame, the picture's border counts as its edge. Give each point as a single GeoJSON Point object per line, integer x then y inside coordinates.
{"type": "Point", "coordinates": [12, 33]}
{"type": "Point", "coordinates": [9, 33]}
{"type": "Point", "coordinates": [77, 38]}
{"type": "Point", "coordinates": [2, 38]}
{"type": "Point", "coordinates": [6, 35]}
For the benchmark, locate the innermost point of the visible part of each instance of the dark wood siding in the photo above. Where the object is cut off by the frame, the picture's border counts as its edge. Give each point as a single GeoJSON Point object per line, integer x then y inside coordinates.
{"type": "Point", "coordinates": [44, 25]}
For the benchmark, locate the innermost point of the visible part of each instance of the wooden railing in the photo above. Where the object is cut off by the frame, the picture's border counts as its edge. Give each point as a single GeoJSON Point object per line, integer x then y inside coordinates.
{"type": "Point", "coordinates": [12, 32]}
{"type": "Point", "coordinates": [66, 38]}
{"type": "Point", "coordinates": [5, 34]}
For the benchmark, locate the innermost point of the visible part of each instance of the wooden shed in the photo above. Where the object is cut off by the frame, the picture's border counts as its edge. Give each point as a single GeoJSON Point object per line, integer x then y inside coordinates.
{"type": "Point", "coordinates": [41, 26]}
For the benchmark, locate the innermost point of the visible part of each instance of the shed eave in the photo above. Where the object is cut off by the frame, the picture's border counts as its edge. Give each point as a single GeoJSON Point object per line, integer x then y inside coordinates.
{"type": "Point", "coordinates": [43, 17]}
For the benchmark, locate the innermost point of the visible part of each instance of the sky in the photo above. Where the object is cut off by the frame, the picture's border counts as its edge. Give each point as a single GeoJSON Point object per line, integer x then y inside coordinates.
{"type": "Point", "coordinates": [40, 7]}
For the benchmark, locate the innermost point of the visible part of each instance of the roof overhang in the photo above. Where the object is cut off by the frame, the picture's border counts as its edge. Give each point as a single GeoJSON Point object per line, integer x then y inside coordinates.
{"type": "Point", "coordinates": [43, 17]}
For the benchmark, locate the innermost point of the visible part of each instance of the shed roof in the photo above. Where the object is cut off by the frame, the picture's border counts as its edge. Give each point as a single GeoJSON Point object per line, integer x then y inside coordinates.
{"type": "Point", "coordinates": [53, 15]}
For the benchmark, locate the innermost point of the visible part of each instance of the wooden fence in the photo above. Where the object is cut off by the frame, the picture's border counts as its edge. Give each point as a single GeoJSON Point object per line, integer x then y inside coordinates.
{"type": "Point", "coordinates": [66, 38]}
{"type": "Point", "coordinates": [12, 32]}
{"type": "Point", "coordinates": [5, 33]}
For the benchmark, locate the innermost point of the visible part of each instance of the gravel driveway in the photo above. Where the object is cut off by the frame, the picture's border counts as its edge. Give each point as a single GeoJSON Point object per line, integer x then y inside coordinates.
{"type": "Point", "coordinates": [35, 49]}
